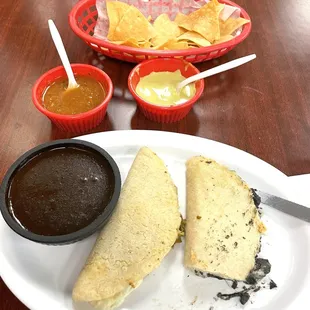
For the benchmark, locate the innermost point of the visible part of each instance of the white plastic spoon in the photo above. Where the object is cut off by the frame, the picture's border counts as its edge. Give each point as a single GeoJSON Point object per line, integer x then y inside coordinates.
{"type": "Point", "coordinates": [224, 67]}
{"type": "Point", "coordinates": [62, 54]}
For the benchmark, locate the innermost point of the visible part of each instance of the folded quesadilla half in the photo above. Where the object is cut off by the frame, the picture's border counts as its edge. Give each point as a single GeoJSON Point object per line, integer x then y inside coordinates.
{"type": "Point", "coordinates": [141, 231]}
{"type": "Point", "coordinates": [223, 226]}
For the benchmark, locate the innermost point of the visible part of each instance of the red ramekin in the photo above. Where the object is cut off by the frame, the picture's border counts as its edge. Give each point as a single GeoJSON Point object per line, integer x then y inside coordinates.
{"type": "Point", "coordinates": [78, 123]}
{"type": "Point", "coordinates": [158, 113]}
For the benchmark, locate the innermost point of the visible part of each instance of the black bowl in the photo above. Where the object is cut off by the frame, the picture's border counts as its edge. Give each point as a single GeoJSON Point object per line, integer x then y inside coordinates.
{"type": "Point", "coordinates": [97, 224]}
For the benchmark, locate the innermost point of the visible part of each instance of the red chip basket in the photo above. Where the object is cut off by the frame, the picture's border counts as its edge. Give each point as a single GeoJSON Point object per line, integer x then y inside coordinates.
{"type": "Point", "coordinates": [82, 20]}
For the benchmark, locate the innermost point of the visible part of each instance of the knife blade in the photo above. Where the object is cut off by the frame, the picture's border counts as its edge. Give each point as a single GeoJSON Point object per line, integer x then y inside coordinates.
{"type": "Point", "coordinates": [286, 206]}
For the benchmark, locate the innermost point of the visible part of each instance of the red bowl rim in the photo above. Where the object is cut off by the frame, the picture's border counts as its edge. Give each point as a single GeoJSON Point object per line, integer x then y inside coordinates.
{"type": "Point", "coordinates": [182, 62]}
{"type": "Point", "coordinates": [144, 51]}
{"type": "Point", "coordinates": [38, 105]}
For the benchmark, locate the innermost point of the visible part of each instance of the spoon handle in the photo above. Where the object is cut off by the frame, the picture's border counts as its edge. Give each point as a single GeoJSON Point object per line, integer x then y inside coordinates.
{"type": "Point", "coordinates": [62, 53]}
{"type": "Point", "coordinates": [221, 68]}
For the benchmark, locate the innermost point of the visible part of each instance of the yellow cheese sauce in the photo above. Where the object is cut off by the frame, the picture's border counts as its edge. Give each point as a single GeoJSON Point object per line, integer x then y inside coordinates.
{"type": "Point", "coordinates": [160, 88]}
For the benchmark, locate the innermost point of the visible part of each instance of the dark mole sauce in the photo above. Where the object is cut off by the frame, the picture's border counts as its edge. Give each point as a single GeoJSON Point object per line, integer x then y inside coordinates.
{"type": "Point", "coordinates": [61, 191]}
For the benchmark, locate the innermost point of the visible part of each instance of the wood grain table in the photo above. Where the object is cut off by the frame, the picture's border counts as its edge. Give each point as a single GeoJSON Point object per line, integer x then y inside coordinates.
{"type": "Point", "coordinates": [262, 107]}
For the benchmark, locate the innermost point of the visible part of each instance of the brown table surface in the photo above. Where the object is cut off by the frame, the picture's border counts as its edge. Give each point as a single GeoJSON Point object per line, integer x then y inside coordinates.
{"type": "Point", "coordinates": [262, 107]}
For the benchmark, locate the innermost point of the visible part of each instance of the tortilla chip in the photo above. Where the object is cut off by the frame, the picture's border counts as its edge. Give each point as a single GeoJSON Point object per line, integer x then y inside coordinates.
{"type": "Point", "coordinates": [231, 25]}
{"type": "Point", "coordinates": [133, 43]}
{"type": "Point", "coordinates": [162, 44]}
{"type": "Point", "coordinates": [165, 29]}
{"type": "Point", "coordinates": [224, 39]}
{"type": "Point", "coordinates": [133, 25]}
{"type": "Point", "coordinates": [172, 44]}
{"type": "Point", "coordinates": [180, 18]}
{"type": "Point", "coordinates": [205, 21]}
{"type": "Point", "coordinates": [195, 37]}
{"type": "Point", "coordinates": [129, 42]}
{"type": "Point", "coordinates": [159, 40]}
{"type": "Point", "coordinates": [146, 44]}
{"type": "Point", "coordinates": [116, 10]}
{"type": "Point", "coordinates": [191, 44]}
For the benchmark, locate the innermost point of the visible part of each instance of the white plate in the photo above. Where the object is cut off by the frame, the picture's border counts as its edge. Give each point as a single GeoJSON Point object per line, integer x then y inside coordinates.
{"type": "Point", "coordinates": [42, 276]}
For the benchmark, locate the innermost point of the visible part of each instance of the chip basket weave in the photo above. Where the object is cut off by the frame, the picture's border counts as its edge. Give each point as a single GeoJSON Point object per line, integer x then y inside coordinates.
{"type": "Point", "coordinates": [82, 20]}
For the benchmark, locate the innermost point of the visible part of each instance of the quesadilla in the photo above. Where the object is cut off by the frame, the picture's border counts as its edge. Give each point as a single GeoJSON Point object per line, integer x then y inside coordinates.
{"type": "Point", "coordinates": [139, 234]}
{"type": "Point", "coordinates": [223, 226]}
